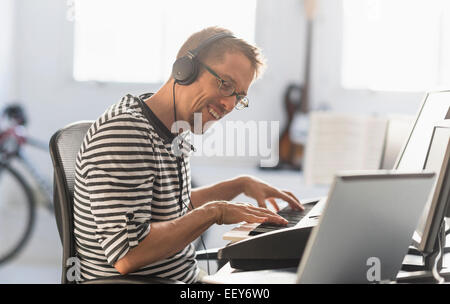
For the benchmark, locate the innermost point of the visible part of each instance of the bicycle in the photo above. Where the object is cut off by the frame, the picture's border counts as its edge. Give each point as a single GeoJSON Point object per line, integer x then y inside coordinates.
{"type": "Point", "coordinates": [18, 199]}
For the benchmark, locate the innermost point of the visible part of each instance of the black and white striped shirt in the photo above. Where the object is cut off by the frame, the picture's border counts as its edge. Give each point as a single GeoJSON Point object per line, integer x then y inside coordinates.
{"type": "Point", "coordinates": [126, 178]}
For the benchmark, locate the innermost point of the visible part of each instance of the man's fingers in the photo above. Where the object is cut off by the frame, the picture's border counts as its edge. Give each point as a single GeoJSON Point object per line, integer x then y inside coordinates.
{"type": "Point", "coordinates": [290, 200]}
{"type": "Point", "coordinates": [271, 216]}
{"type": "Point", "coordinates": [292, 195]}
{"type": "Point", "coordinates": [274, 204]}
{"type": "Point", "coordinates": [268, 214]}
{"type": "Point", "coordinates": [251, 218]}
{"type": "Point", "coordinates": [233, 213]}
{"type": "Point", "coordinates": [262, 203]}
{"type": "Point", "coordinates": [276, 219]}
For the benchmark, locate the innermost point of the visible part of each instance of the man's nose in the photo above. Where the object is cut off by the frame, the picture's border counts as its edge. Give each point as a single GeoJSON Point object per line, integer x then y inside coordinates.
{"type": "Point", "coordinates": [228, 103]}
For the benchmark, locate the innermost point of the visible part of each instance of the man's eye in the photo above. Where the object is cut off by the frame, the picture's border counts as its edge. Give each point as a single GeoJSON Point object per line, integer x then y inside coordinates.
{"type": "Point", "coordinates": [227, 86]}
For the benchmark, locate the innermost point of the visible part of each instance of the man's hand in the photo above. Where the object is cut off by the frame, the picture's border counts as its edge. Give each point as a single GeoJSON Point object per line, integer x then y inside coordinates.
{"type": "Point", "coordinates": [262, 192]}
{"type": "Point", "coordinates": [166, 238]}
{"type": "Point", "coordinates": [233, 213]}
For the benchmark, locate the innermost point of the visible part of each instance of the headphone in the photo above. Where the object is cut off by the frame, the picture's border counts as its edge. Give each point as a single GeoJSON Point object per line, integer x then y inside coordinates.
{"type": "Point", "coordinates": [185, 69]}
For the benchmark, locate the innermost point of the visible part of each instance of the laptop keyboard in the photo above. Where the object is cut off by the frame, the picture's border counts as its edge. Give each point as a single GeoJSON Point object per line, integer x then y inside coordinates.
{"type": "Point", "coordinates": [291, 215]}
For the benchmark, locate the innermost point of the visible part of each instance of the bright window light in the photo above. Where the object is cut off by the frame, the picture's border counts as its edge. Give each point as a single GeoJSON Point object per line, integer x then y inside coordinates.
{"type": "Point", "coordinates": [137, 40]}
{"type": "Point", "coordinates": [396, 45]}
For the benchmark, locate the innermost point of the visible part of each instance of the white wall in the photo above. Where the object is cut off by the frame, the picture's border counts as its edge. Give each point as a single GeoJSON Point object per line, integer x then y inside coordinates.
{"type": "Point", "coordinates": [7, 76]}
{"type": "Point", "coordinates": [43, 50]}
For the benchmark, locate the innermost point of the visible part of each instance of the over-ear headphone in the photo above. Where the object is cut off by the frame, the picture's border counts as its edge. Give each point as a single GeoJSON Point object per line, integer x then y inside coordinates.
{"type": "Point", "coordinates": [185, 69]}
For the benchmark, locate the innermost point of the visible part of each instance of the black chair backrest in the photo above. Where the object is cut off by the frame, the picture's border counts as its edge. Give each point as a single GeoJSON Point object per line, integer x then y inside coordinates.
{"type": "Point", "coordinates": [64, 147]}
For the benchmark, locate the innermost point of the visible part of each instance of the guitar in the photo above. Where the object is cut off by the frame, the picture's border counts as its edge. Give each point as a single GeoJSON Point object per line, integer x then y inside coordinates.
{"type": "Point", "coordinates": [293, 138]}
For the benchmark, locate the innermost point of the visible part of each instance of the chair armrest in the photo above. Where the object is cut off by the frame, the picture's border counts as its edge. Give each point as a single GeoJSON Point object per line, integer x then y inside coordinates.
{"type": "Point", "coordinates": [211, 254]}
{"type": "Point", "coordinates": [132, 279]}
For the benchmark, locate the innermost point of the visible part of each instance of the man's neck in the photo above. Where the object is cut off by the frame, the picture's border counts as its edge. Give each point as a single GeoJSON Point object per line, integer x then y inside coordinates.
{"type": "Point", "coordinates": [161, 104]}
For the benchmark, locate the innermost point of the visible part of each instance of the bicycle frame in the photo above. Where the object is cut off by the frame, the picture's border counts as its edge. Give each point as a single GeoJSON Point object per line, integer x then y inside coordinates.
{"type": "Point", "coordinates": [16, 139]}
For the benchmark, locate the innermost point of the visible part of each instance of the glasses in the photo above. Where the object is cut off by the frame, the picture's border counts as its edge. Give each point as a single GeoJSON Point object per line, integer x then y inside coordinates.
{"type": "Point", "coordinates": [227, 89]}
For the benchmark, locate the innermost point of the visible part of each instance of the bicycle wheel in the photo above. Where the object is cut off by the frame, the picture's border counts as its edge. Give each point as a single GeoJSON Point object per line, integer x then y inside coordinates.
{"type": "Point", "coordinates": [17, 212]}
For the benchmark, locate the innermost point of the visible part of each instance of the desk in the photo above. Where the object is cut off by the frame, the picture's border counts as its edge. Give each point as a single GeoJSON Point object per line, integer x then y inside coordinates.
{"type": "Point", "coordinates": [229, 275]}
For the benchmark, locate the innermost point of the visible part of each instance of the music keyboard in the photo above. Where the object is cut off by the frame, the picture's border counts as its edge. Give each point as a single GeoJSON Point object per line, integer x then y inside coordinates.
{"type": "Point", "coordinates": [247, 230]}
{"type": "Point", "coordinates": [291, 215]}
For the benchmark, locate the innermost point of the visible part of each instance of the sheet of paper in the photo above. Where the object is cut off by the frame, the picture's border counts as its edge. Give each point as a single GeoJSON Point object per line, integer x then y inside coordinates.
{"type": "Point", "coordinates": [342, 141]}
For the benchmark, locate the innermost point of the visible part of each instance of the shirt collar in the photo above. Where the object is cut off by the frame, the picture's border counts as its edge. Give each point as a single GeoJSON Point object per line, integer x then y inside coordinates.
{"type": "Point", "coordinates": [160, 128]}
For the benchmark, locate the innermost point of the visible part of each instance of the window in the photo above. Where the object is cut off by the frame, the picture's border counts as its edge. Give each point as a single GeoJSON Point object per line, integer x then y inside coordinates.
{"type": "Point", "coordinates": [396, 45]}
{"type": "Point", "coordinates": [137, 40]}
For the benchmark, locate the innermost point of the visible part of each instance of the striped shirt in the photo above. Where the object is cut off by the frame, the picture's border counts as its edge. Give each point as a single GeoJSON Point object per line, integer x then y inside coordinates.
{"type": "Point", "coordinates": [126, 178]}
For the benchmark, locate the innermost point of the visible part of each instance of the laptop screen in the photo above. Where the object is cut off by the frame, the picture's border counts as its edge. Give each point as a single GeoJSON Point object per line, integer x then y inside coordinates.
{"type": "Point", "coordinates": [437, 161]}
{"type": "Point", "coordinates": [435, 108]}
{"type": "Point", "coordinates": [437, 149]}
{"type": "Point", "coordinates": [365, 218]}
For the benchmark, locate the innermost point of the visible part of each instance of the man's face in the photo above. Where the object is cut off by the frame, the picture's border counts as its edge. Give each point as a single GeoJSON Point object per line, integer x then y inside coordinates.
{"type": "Point", "coordinates": [204, 96]}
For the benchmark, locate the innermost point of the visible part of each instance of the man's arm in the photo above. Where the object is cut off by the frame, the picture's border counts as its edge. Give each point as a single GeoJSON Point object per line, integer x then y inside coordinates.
{"type": "Point", "coordinates": [223, 191]}
{"type": "Point", "coordinates": [167, 238]}
{"type": "Point", "coordinates": [250, 186]}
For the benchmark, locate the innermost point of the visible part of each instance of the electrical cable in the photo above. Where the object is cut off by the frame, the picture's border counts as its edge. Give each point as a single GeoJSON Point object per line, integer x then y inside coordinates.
{"type": "Point", "coordinates": [201, 236]}
{"type": "Point", "coordinates": [435, 271]}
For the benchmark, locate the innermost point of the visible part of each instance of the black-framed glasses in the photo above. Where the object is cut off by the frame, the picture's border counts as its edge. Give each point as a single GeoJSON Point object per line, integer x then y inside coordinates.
{"type": "Point", "coordinates": [227, 89]}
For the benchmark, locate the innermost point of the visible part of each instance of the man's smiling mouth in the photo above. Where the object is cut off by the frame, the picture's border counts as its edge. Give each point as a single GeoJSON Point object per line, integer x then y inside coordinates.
{"type": "Point", "coordinates": [213, 113]}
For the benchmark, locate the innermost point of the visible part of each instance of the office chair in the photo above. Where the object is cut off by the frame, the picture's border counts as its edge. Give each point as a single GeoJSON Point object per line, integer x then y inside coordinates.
{"type": "Point", "coordinates": [64, 147]}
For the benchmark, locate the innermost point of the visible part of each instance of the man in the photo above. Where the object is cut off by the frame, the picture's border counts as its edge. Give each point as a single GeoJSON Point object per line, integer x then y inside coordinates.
{"type": "Point", "coordinates": [134, 210]}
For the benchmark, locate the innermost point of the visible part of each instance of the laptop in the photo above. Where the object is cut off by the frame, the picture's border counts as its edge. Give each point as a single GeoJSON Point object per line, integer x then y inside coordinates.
{"type": "Point", "coordinates": [363, 233]}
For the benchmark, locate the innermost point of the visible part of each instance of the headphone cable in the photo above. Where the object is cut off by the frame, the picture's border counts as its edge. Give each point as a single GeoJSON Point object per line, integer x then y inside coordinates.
{"type": "Point", "coordinates": [174, 109]}
{"type": "Point", "coordinates": [181, 182]}
{"type": "Point", "coordinates": [192, 208]}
